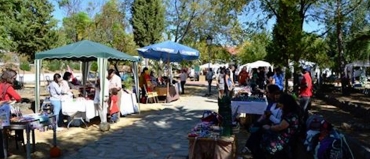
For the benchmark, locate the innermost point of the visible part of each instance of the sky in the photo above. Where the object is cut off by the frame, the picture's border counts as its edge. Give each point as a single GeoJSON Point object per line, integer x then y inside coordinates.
{"type": "Point", "coordinates": [308, 27]}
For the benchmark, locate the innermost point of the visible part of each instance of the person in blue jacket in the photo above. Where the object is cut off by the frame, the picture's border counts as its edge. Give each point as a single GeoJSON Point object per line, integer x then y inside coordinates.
{"type": "Point", "coordinates": [278, 78]}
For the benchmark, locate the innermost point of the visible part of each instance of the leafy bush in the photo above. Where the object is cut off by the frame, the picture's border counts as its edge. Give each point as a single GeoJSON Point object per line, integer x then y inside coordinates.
{"type": "Point", "coordinates": [128, 83]}
{"type": "Point", "coordinates": [94, 67]}
{"type": "Point", "coordinates": [25, 66]}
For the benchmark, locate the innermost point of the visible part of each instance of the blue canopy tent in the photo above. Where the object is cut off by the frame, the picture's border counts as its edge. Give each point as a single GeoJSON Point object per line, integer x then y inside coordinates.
{"type": "Point", "coordinates": [169, 51]}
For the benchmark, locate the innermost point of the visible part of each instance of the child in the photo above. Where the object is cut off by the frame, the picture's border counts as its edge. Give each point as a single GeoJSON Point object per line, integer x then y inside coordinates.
{"type": "Point", "coordinates": [113, 108]}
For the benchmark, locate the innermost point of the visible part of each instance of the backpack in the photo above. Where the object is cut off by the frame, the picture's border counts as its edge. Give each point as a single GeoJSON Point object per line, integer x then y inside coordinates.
{"type": "Point", "coordinates": [314, 122]}
{"type": "Point", "coordinates": [332, 146]}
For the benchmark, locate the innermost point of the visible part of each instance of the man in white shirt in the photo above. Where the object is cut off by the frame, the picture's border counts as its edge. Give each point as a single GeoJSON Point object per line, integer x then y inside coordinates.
{"type": "Point", "coordinates": [115, 82]}
{"type": "Point", "coordinates": [183, 77]}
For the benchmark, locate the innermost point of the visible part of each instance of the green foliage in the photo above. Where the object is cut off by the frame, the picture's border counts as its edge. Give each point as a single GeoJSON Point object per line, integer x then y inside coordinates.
{"type": "Point", "coordinates": [94, 67]}
{"type": "Point", "coordinates": [286, 35]}
{"type": "Point", "coordinates": [53, 65]}
{"type": "Point", "coordinates": [148, 21]}
{"type": "Point", "coordinates": [128, 83]}
{"type": "Point", "coordinates": [255, 49]}
{"type": "Point", "coordinates": [31, 29]}
{"type": "Point", "coordinates": [25, 66]}
{"type": "Point", "coordinates": [76, 26]}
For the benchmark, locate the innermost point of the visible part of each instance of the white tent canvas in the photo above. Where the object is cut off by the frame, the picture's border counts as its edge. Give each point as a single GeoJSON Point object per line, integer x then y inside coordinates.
{"type": "Point", "coordinates": [259, 64]}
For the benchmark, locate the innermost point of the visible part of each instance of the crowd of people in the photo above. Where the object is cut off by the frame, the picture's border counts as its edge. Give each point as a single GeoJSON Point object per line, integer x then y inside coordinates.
{"type": "Point", "coordinates": [284, 118]}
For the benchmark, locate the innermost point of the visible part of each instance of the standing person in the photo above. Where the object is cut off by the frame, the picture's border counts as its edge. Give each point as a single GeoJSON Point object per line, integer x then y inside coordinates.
{"type": "Point", "coordinates": [305, 92]}
{"type": "Point", "coordinates": [221, 82]}
{"type": "Point", "coordinates": [56, 93]}
{"type": "Point", "coordinates": [232, 73]}
{"type": "Point", "coordinates": [8, 94]}
{"type": "Point", "coordinates": [278, 78]}
{"type": "Point", "coordinates": [209, 78]}
{"type": "Point", "coordinates": [243, 76]}
{"type": "Point", "coordinates": [228, 83]}
{"type": "Point", "coordinates": [142, 82]}
{"type": "Point", "coordinates": [183, 77]}
{"type": "Point", "coordinates": [102, 109]}
{"type": "Point", "coordinates": [113, 107]}
{"type": "Point", "coordinates": [115, 82]}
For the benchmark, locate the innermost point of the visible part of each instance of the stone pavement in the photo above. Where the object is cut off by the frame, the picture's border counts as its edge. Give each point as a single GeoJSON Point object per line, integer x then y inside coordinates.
{"type": "Point", "coordinates": [159, 135]}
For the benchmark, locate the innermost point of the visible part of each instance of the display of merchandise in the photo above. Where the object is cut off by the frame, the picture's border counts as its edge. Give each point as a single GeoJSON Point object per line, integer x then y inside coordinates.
{"type": "Point", "coordinates": [249, 99]}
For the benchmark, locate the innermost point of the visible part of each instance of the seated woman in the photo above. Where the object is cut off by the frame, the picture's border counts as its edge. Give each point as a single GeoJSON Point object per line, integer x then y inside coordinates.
{"type": "Point", "coordinates": [272, 116]}
{"type": "Point", "coordinates": [153, 79]}
{"type": "Point", "coordinates": [65, 84]}
{"type": "Point", "coordinates": [55, 91]}
{"type": "Point", "coordinates": [277, 137]}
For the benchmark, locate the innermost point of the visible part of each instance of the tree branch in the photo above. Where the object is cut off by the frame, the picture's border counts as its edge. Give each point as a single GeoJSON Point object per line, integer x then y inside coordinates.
{"type": "Point", "coordinates": [269, 5]}
{"type": "Point", "coordinates": [351, 9]}
{"type": "Point", "coordinates": [193, 13]}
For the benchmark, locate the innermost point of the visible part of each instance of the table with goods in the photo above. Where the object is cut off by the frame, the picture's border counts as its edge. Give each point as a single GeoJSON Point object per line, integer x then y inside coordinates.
{"type": "Point", "coordinates": [248, 104]}
{"type": "Point", "coordinates": [79, 109]}
{"type": "Point", "coordinates": [29, 123]}
{"type": "Point", "coordinates": [213, 137]}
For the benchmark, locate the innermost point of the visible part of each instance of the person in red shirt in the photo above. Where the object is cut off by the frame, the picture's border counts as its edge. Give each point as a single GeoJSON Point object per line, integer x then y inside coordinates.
{"type": "Point", "coordinates": [7, 94]}
{"type": "Point", "coordinates": [113, 108]}
{"type": "Point", "coordinates": [243, 76]}
{"type": "Point", "coordinates": [305, 92]}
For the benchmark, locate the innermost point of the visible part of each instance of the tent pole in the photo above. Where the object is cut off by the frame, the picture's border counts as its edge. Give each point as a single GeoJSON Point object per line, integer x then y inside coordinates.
{"type": "Point", "coordinates": [37, 85]}
{"type": "Point", "coordinates": [137, 84]}
{"type": "Point", "coordinates": [102, 64]}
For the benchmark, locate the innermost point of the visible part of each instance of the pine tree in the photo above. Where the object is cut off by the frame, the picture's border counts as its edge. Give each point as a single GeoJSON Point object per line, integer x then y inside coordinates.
{"type": "Point", "coordinates": [148, 21]}
{"type": "Point", "coordinates": [32, 29]}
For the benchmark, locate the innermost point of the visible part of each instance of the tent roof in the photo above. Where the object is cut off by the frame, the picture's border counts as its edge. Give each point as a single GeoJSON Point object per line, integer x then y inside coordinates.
{"type": "Point", "coordinates": [84, 49]}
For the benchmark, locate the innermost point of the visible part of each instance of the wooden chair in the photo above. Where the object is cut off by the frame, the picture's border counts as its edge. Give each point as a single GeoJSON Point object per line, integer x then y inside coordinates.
{"type": "Point", "coordinates": [151, 95]}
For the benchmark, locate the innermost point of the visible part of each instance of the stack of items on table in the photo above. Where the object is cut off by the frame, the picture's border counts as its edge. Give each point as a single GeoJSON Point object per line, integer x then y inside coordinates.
{"type": "Point", "coordinates": [36, 121]}
{"type": "Point", "coordinates": [243, 90]}
{"type": "Point", "coordinates": [249, 98]}
{"type": "Point", "coordinates": [208, 127]}
{"type": "Point", "coordinates": [212, 138]}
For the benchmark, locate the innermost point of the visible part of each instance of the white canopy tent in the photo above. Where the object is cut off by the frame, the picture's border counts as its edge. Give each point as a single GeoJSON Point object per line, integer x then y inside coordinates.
{"type": "Point", "coordinates": [349, 68]}
{"type": "Point", "coordinates": [257, 64]}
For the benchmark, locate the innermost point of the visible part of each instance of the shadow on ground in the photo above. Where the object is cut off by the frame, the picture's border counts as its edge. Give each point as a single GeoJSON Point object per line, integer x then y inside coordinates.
{"type": "Point", "coordinates": [160, 134]}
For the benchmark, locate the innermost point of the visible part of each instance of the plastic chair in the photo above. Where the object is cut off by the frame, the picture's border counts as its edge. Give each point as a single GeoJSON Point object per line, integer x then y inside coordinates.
{"type": "Point", "coordinates": [151, 95]}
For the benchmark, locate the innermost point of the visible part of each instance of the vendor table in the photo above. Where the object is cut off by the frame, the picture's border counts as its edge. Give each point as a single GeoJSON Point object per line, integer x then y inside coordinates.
{"type": "Point", "coordinates": [215, 148]}
{"type": "Point", "coordinates": [248, 107]}
{"type": "Point", "coordinates": [172, 95]}
{"type": "Point", "coordinates": [79, 109]}
{"type": "Point", "coordinates": [129, 104]}
{"type": "Point", "coordinates": [27, 125]}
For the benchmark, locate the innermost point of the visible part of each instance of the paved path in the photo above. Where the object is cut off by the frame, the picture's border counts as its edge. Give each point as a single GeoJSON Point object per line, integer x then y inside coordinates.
{"type": "Point", "coordinates": [159, 135]}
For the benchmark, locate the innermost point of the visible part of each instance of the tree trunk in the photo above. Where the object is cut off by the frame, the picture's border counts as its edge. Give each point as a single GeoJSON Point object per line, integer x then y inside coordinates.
{"type": "Point", "coordinates": [339, 30]}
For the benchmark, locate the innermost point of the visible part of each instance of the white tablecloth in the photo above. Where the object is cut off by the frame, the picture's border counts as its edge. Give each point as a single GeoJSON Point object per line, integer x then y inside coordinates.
{"type": "Point", "coordinates": [129, 104]}
{"type": "Point", "coordinates": [255, 107]}
{"type": "Point", "coordinates": [71, 108]}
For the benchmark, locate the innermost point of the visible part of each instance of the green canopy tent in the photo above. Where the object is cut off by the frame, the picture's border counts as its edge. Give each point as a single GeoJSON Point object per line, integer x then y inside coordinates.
{"type": "Point", "coordinates": [84, 51]}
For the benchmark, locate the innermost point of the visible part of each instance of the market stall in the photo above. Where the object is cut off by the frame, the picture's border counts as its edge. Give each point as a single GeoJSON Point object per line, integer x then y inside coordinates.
{"type": "Point", "coordinates": [170, 52]}
{"type": "Point", "coordinates": [245, 102]}
{"type": "Point", "coordinates": [206, 141]}
{"type": "Point", "coordinates": [84, 51]}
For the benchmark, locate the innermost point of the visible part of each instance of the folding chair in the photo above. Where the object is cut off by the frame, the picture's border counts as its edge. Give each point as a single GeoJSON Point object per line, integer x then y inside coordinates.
{"type": "Point", "coordinates": [151, 95]}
